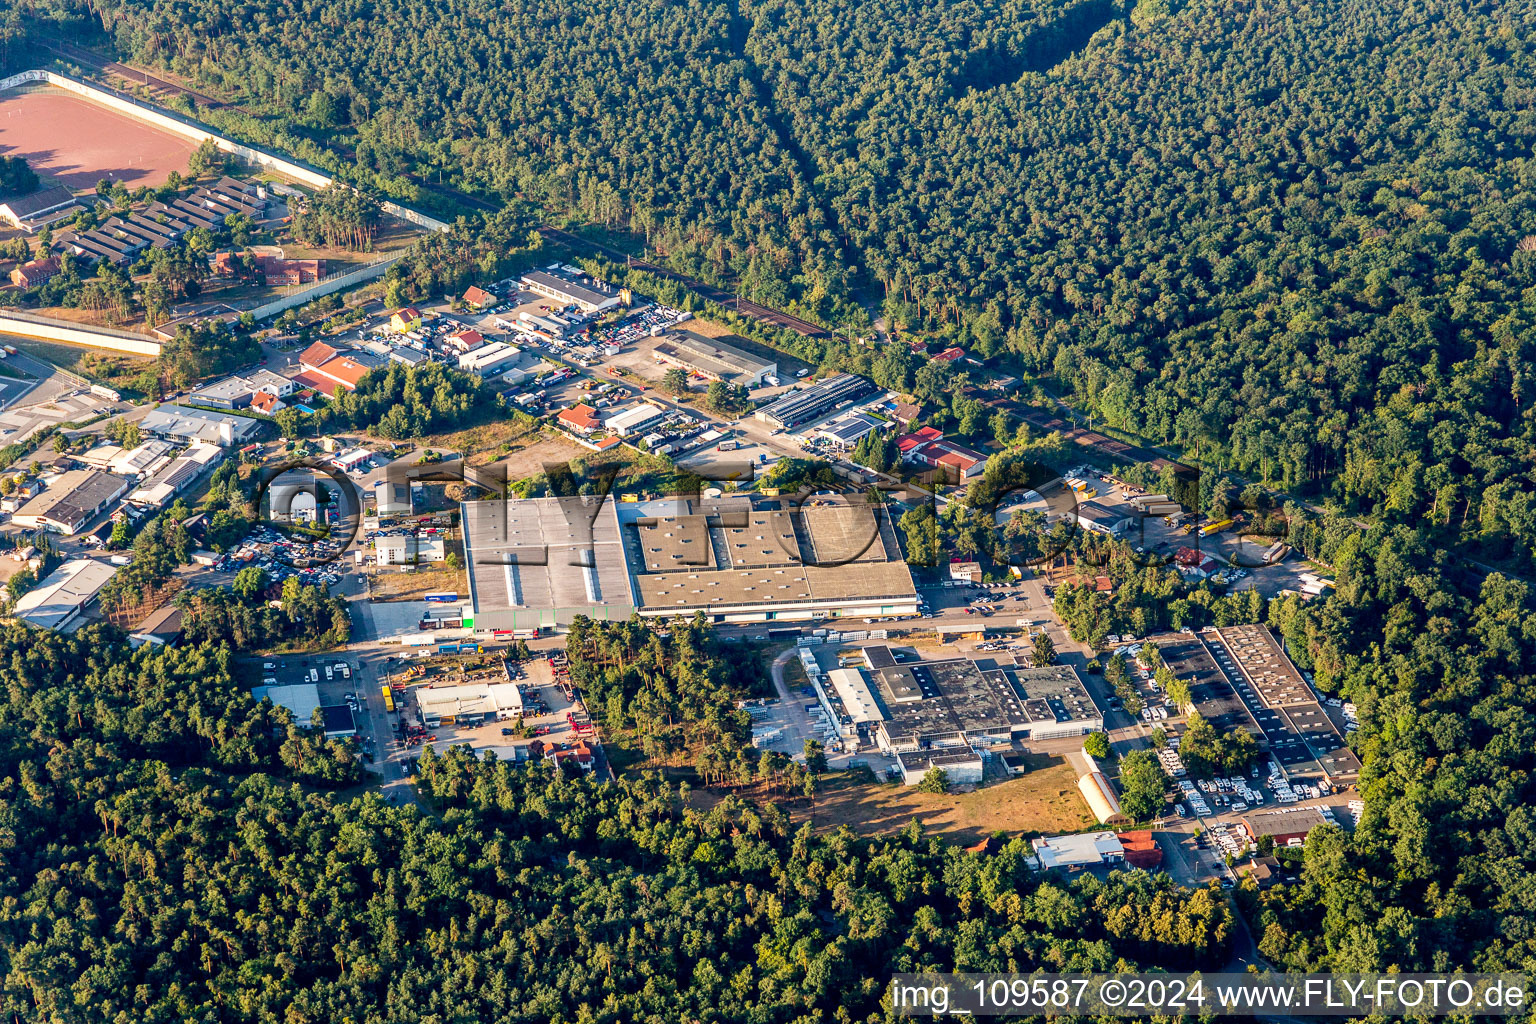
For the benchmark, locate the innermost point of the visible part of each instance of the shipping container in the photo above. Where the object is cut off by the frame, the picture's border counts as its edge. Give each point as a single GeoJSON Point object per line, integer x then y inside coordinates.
{"type": "Point", "coordinates": [442, 596]}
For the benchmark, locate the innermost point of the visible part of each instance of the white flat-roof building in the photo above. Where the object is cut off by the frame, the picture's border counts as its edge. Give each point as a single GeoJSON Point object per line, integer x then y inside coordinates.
{"type": "Point", "coordinates": [301, 700]}
{"type": "Point", "coordinates": [854, 691]}
{"type": "Point", "coordinates": [633, 419]}
{"type": "Point", "coordinates": [489, 701]}
{"type": "Point", "coordinates": [409, 550]}
{"type": "Point", "coordinates": [185, 424]}
{"type": "Point", "coordinates": [489, 360]}
{"type": "Point", "coordinates": [962, 766]}
{"type": "Point", "coordinates": [1090, 849]}
{"type": "Point", "coordinates": [56, 602]}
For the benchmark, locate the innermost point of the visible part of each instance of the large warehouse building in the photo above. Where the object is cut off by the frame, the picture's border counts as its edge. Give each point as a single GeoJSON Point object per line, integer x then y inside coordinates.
{"type": "Point", "coordinates": [715, 359]}
{"type": "Point", "coordinates": [572, 286]}
{"type": "Point", "coordinates": [815, 402]}
{"type": "Point", "coordinates": [71, 502]}
{"type": "Point", "coordinates": [930, 705]}
{"type": "Point", "coordinates": [540, 562]}
{"type": "Point", "coordinates": [58, 601]}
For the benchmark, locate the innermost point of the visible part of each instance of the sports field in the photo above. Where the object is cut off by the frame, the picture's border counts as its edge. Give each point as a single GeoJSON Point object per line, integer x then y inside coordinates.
{"type": "Point", "coordinates": [78, 142]}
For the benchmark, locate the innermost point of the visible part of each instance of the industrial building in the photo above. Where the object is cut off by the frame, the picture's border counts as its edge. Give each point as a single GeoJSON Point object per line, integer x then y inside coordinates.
{"type": "Point", "coordinates": [148, 457]}
{"type": "Point", "coordinates": [715, 358]}
{"type": "Point", "coordinates": [60, 599]}
{"type": "Point", "coordinates": [469, 703]}
{"type": "Point", "coordinates": [391, 498]}
{"type": "Point", "coordinates": [815, 402]}
{"type": "Point", "coordinates": [181, 423]}
{"type": "Point", "coordinates": [1092, 516]}
{"type": "Point", "coordinates": [182, 473]}
{"type": "Point", "coordinates": [1288, 826]}
{"type": "Point", "coordinates": [634, 419]}
{"type": "Point", "coordinates": [489, 360]}
{"type": "Point", "coordinates": [409, 550]}
{"type": "Point", "coordinates": [847, 432]}
{"type": "Point", "coordinates": [337, 721]}
{"type": "Point", "coordinates": [538, 562]}
{"type": "Point", "coordinates": [1086, 850]}
{"type": "Point", "coordinates": [301, 700]}
{"type": "Point", "coordinates": [1240, 678]}
{"type": "Point", "coordinates": [962, 766]}
{"type": "Point", "coordinates": [238, 390]}
{"type": "Point", "coordinates": [572, 286]}
{"type": "Point", "coordinates": [956, 703]}
{"type": "Point", "coordinates": [71, 501]}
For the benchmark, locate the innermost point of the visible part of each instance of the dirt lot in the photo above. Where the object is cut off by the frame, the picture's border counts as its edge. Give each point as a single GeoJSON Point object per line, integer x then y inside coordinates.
{"type": "Point", "coordinates": [482, 445]}
{"type": "Point", "coordinates": [1045, 800]}
{"type": "Point", "coordinates": [100, 143]}
{"type": "Point", "coordinates": [530, 461]}
{"type": "Point", "coordinates": [390, 584]}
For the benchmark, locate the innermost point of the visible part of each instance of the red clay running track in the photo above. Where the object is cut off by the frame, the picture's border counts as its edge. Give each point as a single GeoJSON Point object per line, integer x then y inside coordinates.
{"type": "Point", "coordinates": [79, 142]}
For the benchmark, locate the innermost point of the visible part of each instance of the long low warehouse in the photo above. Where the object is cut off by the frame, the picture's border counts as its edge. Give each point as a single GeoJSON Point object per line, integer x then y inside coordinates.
{"type": "Point", "coordinates": [540, 562]}
{"type": "Point", "coordinates": [816, 401]}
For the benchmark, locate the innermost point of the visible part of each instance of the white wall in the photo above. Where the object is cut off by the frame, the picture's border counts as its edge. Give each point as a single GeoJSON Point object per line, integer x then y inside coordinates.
{"type": "Point", "coordinates": [325, 287]}
{"type": "Point", "coordinates": [197, 133]}
{"type": "Point", "coordinates": [62, 330]}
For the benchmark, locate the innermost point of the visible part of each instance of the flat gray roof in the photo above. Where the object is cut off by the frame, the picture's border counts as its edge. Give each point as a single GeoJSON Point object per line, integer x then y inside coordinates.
{"type": "Point", "coordinates": [549, 557]}
{"type": "Point", "coordinates": [1288, 703]}
{"type": "Point", "coordinates": [1054, 693]}
{"type": "Point", "coordinates": [586, 290]}
{"type": "Point", "coordinates": [713, 356]}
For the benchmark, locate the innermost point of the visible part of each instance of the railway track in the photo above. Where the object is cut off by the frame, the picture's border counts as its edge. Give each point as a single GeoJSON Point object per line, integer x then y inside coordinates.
{"type": "Point", "coordinates": [755, 310]}
{"type": "Point", "coordinates": [71, 52]}
{"type": "Point", "coordinates": [747, 308]}
{"type": "Point", "coordinates": [97, 62]}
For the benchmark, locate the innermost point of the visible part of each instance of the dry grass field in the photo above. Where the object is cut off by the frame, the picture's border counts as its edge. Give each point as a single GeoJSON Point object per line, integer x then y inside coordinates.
{"type": "Point", "coordinates": [1044, 800]}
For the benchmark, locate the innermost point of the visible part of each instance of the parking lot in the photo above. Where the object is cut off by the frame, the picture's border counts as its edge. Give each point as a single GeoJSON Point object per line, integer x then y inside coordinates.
{"type": "Point", "coordinates": [282, 557]}
{"type": "Point", "coordinates": [547, 715]}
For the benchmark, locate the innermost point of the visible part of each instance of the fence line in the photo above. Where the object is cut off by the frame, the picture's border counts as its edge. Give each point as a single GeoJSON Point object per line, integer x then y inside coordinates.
{"type": "Point", "coordinates": [333, 283]}
{"type": "Point", "coordinates": [288, 167]}
{"type": "Point", "coordinates": [189, 129]}
{"type": "Point", "coordinates": [27, 325]}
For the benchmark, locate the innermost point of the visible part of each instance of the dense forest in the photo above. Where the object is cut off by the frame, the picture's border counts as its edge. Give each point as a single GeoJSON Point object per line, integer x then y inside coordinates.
{"type": "Point", "coordinates": [1299, 240]}
{"type": "Point", "coordinates": [161, 863]}
{"type": "Point", "coordinates": [1295, 240]}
